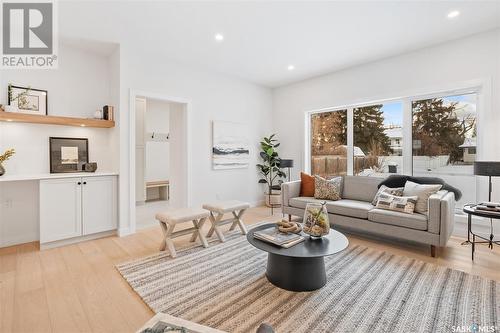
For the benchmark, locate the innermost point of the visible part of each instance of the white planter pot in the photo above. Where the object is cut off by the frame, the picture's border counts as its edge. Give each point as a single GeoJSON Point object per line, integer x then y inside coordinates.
{"type": "Point", "coordinates": [274, 199]}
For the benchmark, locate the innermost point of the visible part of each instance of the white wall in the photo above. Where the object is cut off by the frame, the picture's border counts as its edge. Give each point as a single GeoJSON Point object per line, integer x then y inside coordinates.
{"type": "Point", "coordinates": [211, 97]}
{"type": "Point", "coordinates": [443, 66]}
{"type": "Point", "coordinates": [157, 153]}
{"type": "Point", "coordinates": [81, 85]}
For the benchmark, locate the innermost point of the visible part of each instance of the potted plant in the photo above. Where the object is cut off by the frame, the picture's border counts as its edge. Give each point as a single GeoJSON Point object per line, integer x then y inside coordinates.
{"type": "Point", "coordinates": [270, 171]}
{"type": "Point", "coordinates": [4, 157]}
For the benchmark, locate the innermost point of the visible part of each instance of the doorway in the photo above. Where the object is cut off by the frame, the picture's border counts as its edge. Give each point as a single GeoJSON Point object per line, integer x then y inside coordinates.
{"type": "Point", "coordinates": [161, 157]}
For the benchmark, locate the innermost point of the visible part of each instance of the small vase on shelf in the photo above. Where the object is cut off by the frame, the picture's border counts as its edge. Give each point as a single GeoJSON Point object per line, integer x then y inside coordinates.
{"type": "Point", "coordinates": [316, 223]}
{"type": "Point", "coordinates": [2, 170]}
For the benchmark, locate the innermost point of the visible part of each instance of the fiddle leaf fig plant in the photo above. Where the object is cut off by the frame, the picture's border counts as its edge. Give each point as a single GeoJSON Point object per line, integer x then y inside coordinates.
{"type": "Point", "coordinates": [269, 169]}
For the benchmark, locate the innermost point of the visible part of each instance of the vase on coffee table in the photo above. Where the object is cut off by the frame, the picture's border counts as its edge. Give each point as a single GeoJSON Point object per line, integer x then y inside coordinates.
{"type": "Point", "coordinates": [316, 223]}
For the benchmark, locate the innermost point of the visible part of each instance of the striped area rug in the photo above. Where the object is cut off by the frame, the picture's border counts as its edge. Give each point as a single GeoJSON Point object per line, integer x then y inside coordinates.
{"type": "Point", "coordinates": [224, 286]}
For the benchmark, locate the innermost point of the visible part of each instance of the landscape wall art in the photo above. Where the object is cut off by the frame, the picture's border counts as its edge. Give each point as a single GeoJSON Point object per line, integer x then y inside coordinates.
{"type": "Point", "coordinates": [231, 148]}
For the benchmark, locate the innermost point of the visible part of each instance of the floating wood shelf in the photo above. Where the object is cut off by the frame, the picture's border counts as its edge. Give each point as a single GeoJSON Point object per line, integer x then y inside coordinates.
{"type": "Point", "coordinates": [55, 120]}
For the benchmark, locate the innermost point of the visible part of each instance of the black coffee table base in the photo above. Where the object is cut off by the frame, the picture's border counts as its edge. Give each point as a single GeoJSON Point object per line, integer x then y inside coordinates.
{"type": "Point", "coordinates": [296, 273]}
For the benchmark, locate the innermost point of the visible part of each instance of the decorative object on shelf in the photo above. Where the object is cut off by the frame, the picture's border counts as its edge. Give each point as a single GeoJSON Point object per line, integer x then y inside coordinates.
{"type": "Point", "coordinates": [286, 164]}
{"type": "Point", "coordinates": [27, 100]}
{"type": "Point", "coordinates": [90, 167]}
{"type": "Point", "coordinates": [231, 148]}
{"type": "Point", "coordinates": [4, 157]}
{"type": "Point", "coordinates": [98, 114]}
{"type": "Point", "coordinates": [289, 227]}
{"type": "Point", "coordinates": [270, 170]}
{"type": "Point", "coordinates": [68, 154]}
{"type": "Point", "coordinates": [316, 223]}
{"type": "Point", "coordinates": [108, 112]}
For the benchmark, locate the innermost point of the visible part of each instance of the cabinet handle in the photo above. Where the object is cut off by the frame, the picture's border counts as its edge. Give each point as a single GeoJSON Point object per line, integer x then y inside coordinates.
{"type": "Point", "coordinates": [79, 183]}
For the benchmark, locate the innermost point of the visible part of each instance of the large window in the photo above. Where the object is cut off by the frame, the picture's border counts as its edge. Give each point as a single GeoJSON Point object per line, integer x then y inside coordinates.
{"type": "Point", "coordinates": [329, 143]}
{"type": "Point", "coordinates": [444, 141]}
{"type": "Point", "coordinates": [378, 139]}
{"type": "Point", "coordinates": [433, 136]}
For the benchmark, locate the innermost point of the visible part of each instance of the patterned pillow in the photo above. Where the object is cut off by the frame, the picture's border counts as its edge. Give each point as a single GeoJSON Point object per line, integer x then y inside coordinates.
{"type": "Point", "coordinates": [397, 191]}
{"type": "Point", "coordinates": [327, 189]}
{"type": "Point", "coordinates": [398, 204]}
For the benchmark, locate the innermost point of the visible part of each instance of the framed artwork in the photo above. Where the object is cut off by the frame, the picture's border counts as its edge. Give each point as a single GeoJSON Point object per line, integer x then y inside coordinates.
{"type": "Point", "coordinates": [28, 100]}
{"type": "Point", "coordinates": [68, 154]}
{"type": "Point", "coordinates": [231, 148]}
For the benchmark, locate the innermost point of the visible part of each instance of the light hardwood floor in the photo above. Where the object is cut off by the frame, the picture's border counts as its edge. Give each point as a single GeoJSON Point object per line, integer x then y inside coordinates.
{"type": "Point", "coordinates": [76, 288]}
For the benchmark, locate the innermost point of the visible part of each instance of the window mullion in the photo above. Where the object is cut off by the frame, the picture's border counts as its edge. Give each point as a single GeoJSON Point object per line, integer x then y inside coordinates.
{"type": "Point", "coordinates": [350, 141]}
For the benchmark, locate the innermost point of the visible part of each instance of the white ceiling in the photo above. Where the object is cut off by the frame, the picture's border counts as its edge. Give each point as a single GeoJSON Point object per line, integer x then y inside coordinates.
{"type": "Point", "coordinates": [263, 38]}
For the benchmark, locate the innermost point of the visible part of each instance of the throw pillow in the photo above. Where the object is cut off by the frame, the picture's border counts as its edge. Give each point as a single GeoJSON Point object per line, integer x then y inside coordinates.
{"type": "Point", "coordinates": [423, 192]}
{"type": "Point", "coordinates": [398, 204]}
{"type": "Point", "coordinates": [306, 185]}
{"type": "Point", "coordinates": [327, 189]}
{"type": "Point", "coordinates": [397, 191]}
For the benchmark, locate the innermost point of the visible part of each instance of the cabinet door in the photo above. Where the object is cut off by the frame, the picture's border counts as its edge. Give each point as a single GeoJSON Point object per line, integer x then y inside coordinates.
{"type": "Point", "coordinates": [60, 209]}
{"type": "Point", "coordinates": [99, 204]}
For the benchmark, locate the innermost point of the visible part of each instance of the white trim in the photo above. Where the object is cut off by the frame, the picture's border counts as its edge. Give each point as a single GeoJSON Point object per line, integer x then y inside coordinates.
{"type": "Point", "coordinates": [49, 245]}
{"type": "Point", "coordinates": [133, 94]}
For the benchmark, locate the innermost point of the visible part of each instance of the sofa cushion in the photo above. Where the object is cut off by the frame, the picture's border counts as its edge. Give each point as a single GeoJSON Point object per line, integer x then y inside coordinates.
{"type": "Point", "coordinates": [397, 204]}
{"type": "Point", "coordinates": [423, 192]}
{"type": "Point", "coordinates": [360, 188]}
{"type": "Point", "coordinates": [301, 202]}
{"type": "Point", "coordinates": [327, 189]}
{"type": "Point", "coordinates": [352, 208]}
{"type": "Point", "coordinates": [384, 189]}
{"type": "Point", "coordinates": [306, 185]}
{"type": "Point", "coordinates": [412, 221]}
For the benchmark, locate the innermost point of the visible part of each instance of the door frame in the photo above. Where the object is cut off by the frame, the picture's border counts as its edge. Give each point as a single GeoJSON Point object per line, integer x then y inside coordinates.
{"type": "Point", "coordinates": [134, 93]}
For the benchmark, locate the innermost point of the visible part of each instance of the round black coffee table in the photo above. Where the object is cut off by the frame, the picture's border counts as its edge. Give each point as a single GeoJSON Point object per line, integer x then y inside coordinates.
{"type": "Point", "coordinates": [302, 266]}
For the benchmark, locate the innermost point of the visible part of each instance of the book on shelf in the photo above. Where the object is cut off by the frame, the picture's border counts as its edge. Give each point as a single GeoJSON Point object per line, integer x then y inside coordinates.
{"type": "Point", "coordinates": [274, 236]}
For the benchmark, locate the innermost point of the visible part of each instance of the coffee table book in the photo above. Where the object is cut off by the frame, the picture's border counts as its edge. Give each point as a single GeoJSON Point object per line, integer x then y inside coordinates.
{"type": "Point", "coordinates": [274, 236]}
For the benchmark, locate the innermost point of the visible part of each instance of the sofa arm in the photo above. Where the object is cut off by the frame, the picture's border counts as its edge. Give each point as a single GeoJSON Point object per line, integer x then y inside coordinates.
{"type": "Point", "coordinates": [447, 218]}
{"type": "Point", "coordinates": [289, 190]}
{"type": "Point", "coordinates": [434, 211]}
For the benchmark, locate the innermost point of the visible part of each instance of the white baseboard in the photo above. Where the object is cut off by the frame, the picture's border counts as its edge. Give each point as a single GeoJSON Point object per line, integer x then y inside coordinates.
{"type": "Point", "coordinates": [19, 240]}
{"type": "Point", "coordinates": [69, 241]}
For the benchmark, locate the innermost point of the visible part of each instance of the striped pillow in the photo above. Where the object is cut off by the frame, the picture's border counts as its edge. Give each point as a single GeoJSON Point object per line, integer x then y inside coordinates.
{"type": "Point", "coordinates": [397, 204]}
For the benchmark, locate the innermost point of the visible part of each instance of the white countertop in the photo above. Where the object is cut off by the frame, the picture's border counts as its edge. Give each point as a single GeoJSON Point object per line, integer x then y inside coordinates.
{"type": "Point", "coordinates": [14, 178]}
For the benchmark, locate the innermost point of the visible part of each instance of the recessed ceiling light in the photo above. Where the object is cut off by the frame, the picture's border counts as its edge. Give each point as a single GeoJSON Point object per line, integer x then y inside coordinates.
{"type": "Point", "coordinates": [219, 37]}
{"type": "Point", "coordinates": [290, 67]}
{"type": "Point", "coordinates": [453, 14]}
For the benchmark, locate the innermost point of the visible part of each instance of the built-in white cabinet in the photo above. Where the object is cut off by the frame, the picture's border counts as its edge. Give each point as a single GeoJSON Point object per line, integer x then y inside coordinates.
{"type": "Point", "coordinates": [79, 206]}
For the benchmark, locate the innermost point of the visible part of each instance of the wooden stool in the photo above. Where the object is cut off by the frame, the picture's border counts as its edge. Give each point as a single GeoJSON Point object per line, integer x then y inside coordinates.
{"type": "Point", "coordinates": [237, 208]}
{"type": "Point", "coordinates": [170, 218]}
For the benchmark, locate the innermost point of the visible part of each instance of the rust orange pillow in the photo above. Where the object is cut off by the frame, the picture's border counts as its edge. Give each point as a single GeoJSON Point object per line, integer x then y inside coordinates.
{"type": "Point", "coordinates": [306, 185]}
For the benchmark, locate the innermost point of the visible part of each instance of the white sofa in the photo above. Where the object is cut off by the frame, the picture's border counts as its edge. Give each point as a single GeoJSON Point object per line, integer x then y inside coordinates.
{"type": "Point", "coordinates": [355, 212]}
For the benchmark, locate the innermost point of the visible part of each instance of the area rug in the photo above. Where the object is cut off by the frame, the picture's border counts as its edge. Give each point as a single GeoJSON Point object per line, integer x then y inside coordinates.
{"type": "Point", "coordinates": [224, 286]}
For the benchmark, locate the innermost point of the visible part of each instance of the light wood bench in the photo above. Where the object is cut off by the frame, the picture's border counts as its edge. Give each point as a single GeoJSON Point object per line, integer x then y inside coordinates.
{"type": "Point", "coordinates": [170, 218]}
{"type": "Point", "coordinates": [163, 187]}
{"type": "Point", "coordinates": [217, 211]}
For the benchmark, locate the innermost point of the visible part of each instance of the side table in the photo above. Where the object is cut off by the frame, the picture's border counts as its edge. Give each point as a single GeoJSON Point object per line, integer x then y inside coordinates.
{"type": "Point", "coordinates": [471, 210]}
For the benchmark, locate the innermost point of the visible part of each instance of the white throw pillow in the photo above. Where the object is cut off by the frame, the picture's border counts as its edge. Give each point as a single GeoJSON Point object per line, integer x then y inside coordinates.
{"type": "Point", "coordinates": [423, 192]}
{"type": "Point", "coordinates": [397, 204]}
